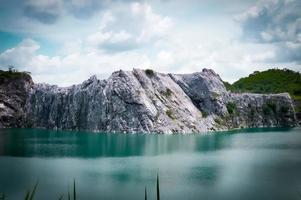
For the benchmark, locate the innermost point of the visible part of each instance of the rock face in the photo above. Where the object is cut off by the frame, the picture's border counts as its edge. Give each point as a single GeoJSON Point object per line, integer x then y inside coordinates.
{"type": "Point", "coordinates": [14, 89]}
{"type": "Point", "coordinates": [145, 101]}
{"type": "Point", "coordinates": [261, 110]}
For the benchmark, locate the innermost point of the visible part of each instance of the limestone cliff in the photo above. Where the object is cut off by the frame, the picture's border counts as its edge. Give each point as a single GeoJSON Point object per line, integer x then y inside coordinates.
{"type": "Point", "coordinates": [147, 101]}
{"type": "Point", "coordinates": [14, 88]}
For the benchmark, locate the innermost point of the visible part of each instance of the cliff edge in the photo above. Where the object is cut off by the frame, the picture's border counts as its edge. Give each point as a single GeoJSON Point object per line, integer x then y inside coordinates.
{"type": "Point", "coordinates": [141, 101]}
{"type": "Point", "coordinates": [14, 91]}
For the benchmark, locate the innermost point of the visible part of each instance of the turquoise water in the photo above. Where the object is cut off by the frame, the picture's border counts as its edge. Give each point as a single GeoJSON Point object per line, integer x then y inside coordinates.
{"type": "Point", "coordinates": [244, 164]}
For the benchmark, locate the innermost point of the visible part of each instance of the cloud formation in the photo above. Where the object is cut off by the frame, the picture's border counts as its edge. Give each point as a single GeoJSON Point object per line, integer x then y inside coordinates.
{"type": "Point", "coordinates": [70, 69]}
{"type": "Point", "coordinates": [130, 27]}
{"type": "Point", "coordinates": [45, 11]}
{"type": "Point", "coordinates": [277, 22]}
{"type": "Point", "coordinates": [115, 35]}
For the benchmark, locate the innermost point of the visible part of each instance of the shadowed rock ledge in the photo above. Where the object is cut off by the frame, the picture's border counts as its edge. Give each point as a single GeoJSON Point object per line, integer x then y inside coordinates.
{"type": "Point", "coordinates": [141, 101]}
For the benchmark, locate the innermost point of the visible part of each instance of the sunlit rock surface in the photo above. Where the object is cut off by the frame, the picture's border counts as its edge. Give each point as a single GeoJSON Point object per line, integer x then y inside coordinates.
{"type": "Point", "coordinates": [144, 101]}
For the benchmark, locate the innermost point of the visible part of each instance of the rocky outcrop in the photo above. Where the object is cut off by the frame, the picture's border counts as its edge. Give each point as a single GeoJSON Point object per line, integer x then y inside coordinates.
{"type": "Point", "coordinates": [147, 101]}
{"type": "Point", "coordinates": [14, 89]}
{"type": "Point", "coordinates": [262, 110]}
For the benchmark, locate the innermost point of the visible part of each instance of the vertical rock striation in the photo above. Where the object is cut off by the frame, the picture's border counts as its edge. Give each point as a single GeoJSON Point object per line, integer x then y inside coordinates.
{"type": "Point", "coordinates": [14, 87]}
{"type": "Point", "coordinates": [262, 110]}
{"type": "Point", "coordinates": [147, 101]}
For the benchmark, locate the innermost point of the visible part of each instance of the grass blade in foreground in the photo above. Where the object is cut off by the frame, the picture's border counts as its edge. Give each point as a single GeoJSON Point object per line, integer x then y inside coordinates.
{"type": "Point", "coordinates": [33, 191]}
{"type": "Point", "coordinates": [27, 195]}
{"type": "Point", "coordinates": [158, 187]}
{"type": "Point", "coordinates": [74, 190]}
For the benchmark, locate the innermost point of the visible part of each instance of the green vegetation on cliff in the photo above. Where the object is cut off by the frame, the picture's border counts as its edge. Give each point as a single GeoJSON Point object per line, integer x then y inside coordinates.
{"type": "Point", "coordinates": [11, 73]}
{"type": "Point", "coordinates": [270, 81]}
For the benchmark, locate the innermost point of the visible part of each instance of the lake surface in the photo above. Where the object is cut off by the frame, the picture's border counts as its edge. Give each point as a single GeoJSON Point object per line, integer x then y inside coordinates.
{"type": "Point", "coordinates": [245, 164]}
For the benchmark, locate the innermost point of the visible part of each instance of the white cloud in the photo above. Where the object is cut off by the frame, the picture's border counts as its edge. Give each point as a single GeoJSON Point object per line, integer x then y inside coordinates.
{"type": "Point", "coordinates": [98, 38]}
{"type": "Point", "coordinates": [122, 31]}
{"type": "Point", "coordinates": [165, 58]}
{"type": "Point", "coordinates": [154, 25]}
{"type": "Point", "coordinates": [70, 69]}
{"type": "Point", "coordinates": [19, 54]}
{"type": "Point", "coordinates": [277, 22]}
{"type": "Point", "coordinates": [71, 47]}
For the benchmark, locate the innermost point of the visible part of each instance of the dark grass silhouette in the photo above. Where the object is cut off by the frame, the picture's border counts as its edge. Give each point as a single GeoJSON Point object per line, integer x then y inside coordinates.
{"type": "Point", "coordinates": [30, 194]}
{"type": "Point", "coordinates": [158, 187]}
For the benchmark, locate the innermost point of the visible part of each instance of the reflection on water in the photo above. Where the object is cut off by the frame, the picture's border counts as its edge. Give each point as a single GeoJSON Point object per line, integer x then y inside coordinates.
{"type": "Point", "coordinates": [47, 143]}
{"type": "Point", "coordinates": [248, 164]}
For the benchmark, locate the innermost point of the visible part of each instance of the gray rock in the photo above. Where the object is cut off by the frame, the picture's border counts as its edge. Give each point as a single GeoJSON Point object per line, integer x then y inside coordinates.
{"type": "Point", "coordinates": [262, 110]}
{"type": "Point", "coordinates": [146, 101]}
{"type": "Point", "coordinates": [13, 95]}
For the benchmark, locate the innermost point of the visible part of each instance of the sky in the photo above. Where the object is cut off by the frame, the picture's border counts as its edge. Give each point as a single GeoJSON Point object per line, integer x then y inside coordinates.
{"type": "Point", "coordinates": [64, 42]}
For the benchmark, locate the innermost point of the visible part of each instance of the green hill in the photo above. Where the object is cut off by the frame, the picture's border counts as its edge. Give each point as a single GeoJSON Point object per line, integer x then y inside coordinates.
{"type": "Point", "coordinates": [271, 81]}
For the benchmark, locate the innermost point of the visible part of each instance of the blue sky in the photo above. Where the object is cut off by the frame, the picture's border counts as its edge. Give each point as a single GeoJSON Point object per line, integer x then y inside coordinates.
{"type": "Point", "coordinates": [65, 41]}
